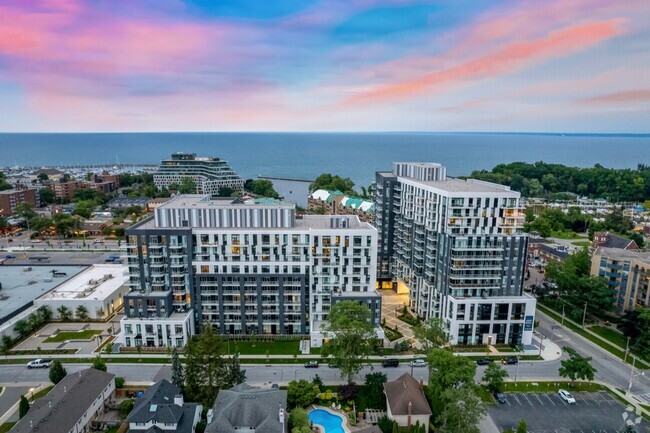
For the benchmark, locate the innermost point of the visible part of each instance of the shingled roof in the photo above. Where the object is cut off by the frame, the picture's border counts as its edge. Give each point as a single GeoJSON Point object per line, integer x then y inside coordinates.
{"type": "Point", "coordinates": [66, 403]}
{"type": "Point", "coordinates": [247, 406]}
{"type": "Point", "coordinates": [405, 390]}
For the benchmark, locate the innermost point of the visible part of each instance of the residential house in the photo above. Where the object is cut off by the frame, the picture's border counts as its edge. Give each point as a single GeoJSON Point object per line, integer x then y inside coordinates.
{"type": "Point", "coordinates": [163, 409]}
{"type": "Point", "coordinates": [249, 409]}
{"type": "Point", "coordinates": [337, 203]}
{"type": "Point", "coordinates": [406, 402]}
{"type": "Point", "coordinates": [611, 240]}
{"type": "Point", "coordinates": [71, 405]}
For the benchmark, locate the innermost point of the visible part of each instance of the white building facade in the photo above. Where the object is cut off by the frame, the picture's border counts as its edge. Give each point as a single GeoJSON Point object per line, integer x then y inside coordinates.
{"type": "Point", "coordinates": [246, 269]}
{"type": "Point", "coordinates": [456, 247]}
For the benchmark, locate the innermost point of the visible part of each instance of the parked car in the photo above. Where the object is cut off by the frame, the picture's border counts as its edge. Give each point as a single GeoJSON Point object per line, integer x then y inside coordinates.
{"type": "Point", "coordinates": [36, 241]}
{"type": "Point", "coordinates": [10, 240]}
{"type": "Point", "coordinates": [510, 360]}
{"type": "Point", "coordinates": [311, 364]}
{"type": "Point", "coordinates": [500, 397]}
{"type": "Point", "coordinates": [392, 362]}
{"type": "Point", "coordinates": [566, 396]}
{"type": "Point", "coordinates": [40, 363]}
{"type": "Point", "coordinates": [10, 256]}
{"type": "Point", "coordinates": [484, 361]}
{"type": "Point", "coordinates": [418, 363]}
{"type": "Point", "coordinates": [113, 259]}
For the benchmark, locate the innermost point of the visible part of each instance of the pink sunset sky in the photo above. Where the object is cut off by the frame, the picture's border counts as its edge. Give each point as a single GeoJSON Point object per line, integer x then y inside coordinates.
{"type": "Point", "coordinates": [325, 65]}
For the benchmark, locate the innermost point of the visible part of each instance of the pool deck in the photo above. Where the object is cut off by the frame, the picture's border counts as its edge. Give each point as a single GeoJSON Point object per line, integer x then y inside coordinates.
{"type": "Point", "coordinates": [339, 413]}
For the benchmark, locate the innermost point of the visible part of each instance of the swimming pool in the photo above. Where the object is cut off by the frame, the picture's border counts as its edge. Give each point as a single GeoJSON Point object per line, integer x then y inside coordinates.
{"type": "Point", "coordinates": [330, 422]}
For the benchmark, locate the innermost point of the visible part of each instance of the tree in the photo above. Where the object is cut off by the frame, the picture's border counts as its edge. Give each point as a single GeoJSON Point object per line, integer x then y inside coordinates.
{"type": "Point", "coordinates": [387, 425]}
{"type": "Point", "coordinates": [521, 427]}
{"type": "Point", "coordinates": [81, 312]}
{"type": "Point", "coordinates": [494, 376]}
{"type": "Point", "coordinates": [22, 328]}
{"type": "Point", "coordinates": [351, 337]}
{"type": "Point", "coordinates": [178, 378]}
{"type": "Point", "coordinates": [45, 313]}
{"type": "Point", "coordinates": [23, 407]}
{"type": "Point", "coordinates": [641, 341]}
{"type": "Point", "coordinates": [47, 195]}
{"type": "Point", "coordinates": [205, 366]}
{"type": "Point", "coordinates": [374, 391]}
{"type": "Point", "coordinates": [432, 334]}
{"type": "Point", "coordinates": [6, 343]}
{"type": "Point", "coordinates": [99, 364]}
{"type": "Point", "coordinates": [225, 191]}
{"type": "Point", "coordinates": [332, 183]}
{"type": "Point", "coordinates": [298, 419]}
{"type": "Point", "coordinates": [447, 371]}
{"type": "Point", "coordinates": [187, 186]}
{"type": "Point", "coordinates": [234, 374]}
{"type": "Point", "coordinates": [126, 407]}
{"type": "Point", "coordinates": [576, 367]}
{"type": "Point", "coordinates": [463, 410]}
{"type": "Point", "coordinates": [262, 187]}
{"type": "Point", "coordinates": [64, 313]}
{"type": "Point", "coordinates": [301, 393]}
{"type": "Point", "coordinates": [57, 372]}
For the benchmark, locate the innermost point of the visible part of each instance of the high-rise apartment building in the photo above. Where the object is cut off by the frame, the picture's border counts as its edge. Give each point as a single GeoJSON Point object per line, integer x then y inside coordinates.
{"type": "Point", "coordinates": [455, 246]}
{"type": "Point", "coordinates": [11, 198]}
{"type": "Point", "coordinates": [210, 174]}
{"type": "Point", "coordinates": [244, 268]}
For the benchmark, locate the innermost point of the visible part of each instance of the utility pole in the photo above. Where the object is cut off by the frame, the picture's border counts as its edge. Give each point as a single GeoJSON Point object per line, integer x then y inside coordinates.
{"type": "Point", "coordinates": [584, 316]}
{"type": "Point", "coordinates": [563, 313]}
{"type": "Point", "coordinates": [627, 349]}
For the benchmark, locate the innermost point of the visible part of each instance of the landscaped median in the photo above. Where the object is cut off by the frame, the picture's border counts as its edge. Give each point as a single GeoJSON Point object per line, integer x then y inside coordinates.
{"type": "Point", "coordinates": [619, 353]}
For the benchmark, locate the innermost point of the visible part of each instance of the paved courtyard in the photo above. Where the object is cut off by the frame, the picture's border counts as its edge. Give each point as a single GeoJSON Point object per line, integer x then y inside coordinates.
{"type": "Point", "coordinates": [594, 412]}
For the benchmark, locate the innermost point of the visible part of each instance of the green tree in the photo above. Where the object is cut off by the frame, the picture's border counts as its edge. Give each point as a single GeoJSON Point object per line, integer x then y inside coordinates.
{"type": "Point", "coordinates": [45, 313]}
{"type": "Point", "coordinates": [6, 343]}
{"type": "Point", "coordinates": [234, 373]}
{"type": "Point", "coordinates": [462, 411]}
{"type": "Point", "coordinates": [23, 406]}
{"type": "Point", "coordinates": [178, 377]}
{"type": "Point", "coordinates": [447, 371]}
{"type": "Point", "coordinates": [22, 328]}
{"type": "Point", "coordinates": [333, 183]}
{"type": "Point", "coordinates": [387, 425]}
{"type": "Point", "coordinates": [99, 363]}
{"type": "Point", "coordinates": [301, 393]}
{"type": "Point", "coordinates": [521, 427]}
{"type": "Point", "coordinates": [576, 367]}
{"type": "Point", "coordinates": [47, 195]}
{"type": "Point", "coordinates": [81, 313]}
{"type": "Point", "coordinates": [205, 366]}
{"type": "Point", "coordinates": [225, 191]}
{"type": "Point", "coordinates": [126, 407]}
{"type": "Point", "coordinates": [351, 337]}
{"type": "Point", "coordinates": [432, 334]}
{"type": "Point", "coordinates": [641, 339]}
{"type": "Point", "coordinates": [64, 223]}
{"type": "Point", "coordinates": [262, 187]}
{"type": "Point", "coordinates": [375, 398]}
{"type": "Point", "coordinates": [494, 376]}
{"type": "Point", "coordinates": [25, 211]}
{"type": "Point", "coordinates": [187, 186]}
{"type": "Point", "coordinates": [298, 419]}
{"type": "Point", "coordinates": [64, 313]}
{"type": "Point", "coordinates": [57, 372]}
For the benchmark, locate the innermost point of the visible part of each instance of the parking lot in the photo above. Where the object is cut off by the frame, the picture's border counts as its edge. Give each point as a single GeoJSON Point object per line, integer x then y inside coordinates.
{"type": "Point", "coordinates": [594, 412]}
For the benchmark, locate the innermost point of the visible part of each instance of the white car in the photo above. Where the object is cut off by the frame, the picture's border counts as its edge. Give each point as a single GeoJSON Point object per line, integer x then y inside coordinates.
{"type": "Point", "coordinates": [566, 396]}
{"type": "Point", "coordinates": [40, 363]}
{"type": "Point", "coordinates": [418, 363]}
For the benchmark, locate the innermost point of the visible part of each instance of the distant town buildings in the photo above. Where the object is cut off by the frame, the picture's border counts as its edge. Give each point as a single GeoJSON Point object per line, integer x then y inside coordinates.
{"type": "Point", "coordinates": [627, 273]}
{"type": "Point", "coordinates": [611, 240]}
{"type": "Point", "coordinates": [210, 174]}
{"type": "Point", "coordinates": [244, 268]}
{"type": "Point", "coordinates": [456, 247]}
{"type": "Point", "coordinates": [337, 203]}
{"type": "Point", "coordinates": [11, 198]}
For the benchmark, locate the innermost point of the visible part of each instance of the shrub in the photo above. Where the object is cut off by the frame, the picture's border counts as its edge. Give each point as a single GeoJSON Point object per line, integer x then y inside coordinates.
{"type": "Point", "coordinates": [126, 407]}
{"type": "Point", "coordinates": [348, 391]}
{"type": "Point", "coordinates": [119, 382]}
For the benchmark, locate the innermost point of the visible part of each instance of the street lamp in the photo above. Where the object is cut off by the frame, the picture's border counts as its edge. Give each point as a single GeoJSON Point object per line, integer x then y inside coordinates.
{"type": "Point", "coordinates": [632, 375]}
{"type": "Point", "coordinates": [541, 343]}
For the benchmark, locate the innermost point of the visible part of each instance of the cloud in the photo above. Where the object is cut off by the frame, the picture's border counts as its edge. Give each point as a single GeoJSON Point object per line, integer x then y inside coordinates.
{"type": "Point", "coordinates": [623, 97]}
{"type": "Point", "coordinates": [505, 60]}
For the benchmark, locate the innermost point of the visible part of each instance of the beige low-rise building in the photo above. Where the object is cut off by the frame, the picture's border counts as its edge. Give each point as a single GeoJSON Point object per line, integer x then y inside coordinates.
{"type": "Point", "coordinates": [627, 273]}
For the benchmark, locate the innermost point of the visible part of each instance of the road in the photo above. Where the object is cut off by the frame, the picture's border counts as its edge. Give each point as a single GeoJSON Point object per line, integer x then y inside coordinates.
{"type": "Point", "coordinates": [610, 369]}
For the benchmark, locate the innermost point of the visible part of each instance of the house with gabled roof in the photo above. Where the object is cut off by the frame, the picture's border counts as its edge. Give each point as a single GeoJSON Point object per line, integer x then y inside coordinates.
{"type": "Point", "coordinates": [162, 409]}
{"type": "Point", "coordinates": [406, 403]}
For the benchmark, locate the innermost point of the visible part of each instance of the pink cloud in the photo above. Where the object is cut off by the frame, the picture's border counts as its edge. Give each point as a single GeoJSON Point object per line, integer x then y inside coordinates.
{"type": "Point", "coordinates": [623, 97]}
{"type": "Point", "coordinates": [505, 60]}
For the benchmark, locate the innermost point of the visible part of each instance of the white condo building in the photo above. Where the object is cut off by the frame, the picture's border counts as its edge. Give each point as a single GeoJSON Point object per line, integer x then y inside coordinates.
{"type": "Point", "coordinates": [244, 268]}
{"type": "Point", "coordinates": [456, 247]}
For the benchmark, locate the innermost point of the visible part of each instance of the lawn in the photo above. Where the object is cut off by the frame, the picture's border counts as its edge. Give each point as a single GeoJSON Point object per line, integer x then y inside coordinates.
{"type": "Point", "coordinates": [4, 428]}
{"type": "Point", "coordinates": [566, 235]}
{"type": "Point", "coordinates": [391, 334]}
{"type": "Point", "coordinates": [42, 392]}
{"type": "Point", "coordinates": [62, 336]}
{"type": "Point", "coordinates": [581, 243]}
{"type": "Point", "coordinates": [608, 347]}
{"type": "Point", "coordinates": [408, 318]}
{"type": "Point", "coordinates": [609, 334]}
{"type": "Point", "coordinates": [551, 386]}
{"type": "Point", "coordinates": [276, 347]}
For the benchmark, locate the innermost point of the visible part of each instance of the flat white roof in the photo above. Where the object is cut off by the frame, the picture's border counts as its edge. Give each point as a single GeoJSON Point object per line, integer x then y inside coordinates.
{"type": "Point", "coordinates": [95, 283]}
